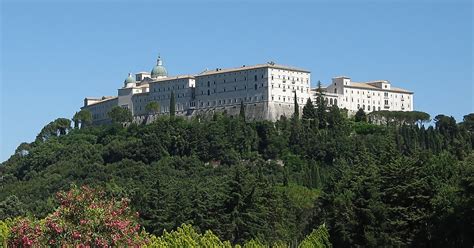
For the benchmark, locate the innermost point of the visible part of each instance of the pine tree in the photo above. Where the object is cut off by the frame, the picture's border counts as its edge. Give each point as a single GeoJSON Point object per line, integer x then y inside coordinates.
{"type": "Point", "coordinates": [172, 105]}
{"type": "Point", "coordinates": [309, 112]}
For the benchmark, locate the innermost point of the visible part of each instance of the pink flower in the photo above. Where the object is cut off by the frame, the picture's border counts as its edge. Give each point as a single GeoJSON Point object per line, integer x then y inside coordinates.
{"type": "Point", "coordinates": [76, 235]}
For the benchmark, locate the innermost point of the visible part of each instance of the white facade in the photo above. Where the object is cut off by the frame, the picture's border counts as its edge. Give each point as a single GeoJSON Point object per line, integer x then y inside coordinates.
{"type": "Point", "coordinates": [267, 90]}
{"type": "Point", "coordinates": [368, 96]}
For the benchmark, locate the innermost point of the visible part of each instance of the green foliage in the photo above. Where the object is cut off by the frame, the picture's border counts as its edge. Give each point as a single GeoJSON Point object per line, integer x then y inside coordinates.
{"type": "Point", "coordinates": [58, 127]}
{"type": "Point", "coordinates": [296, 112]}
{"type": "Point", "coordinates": [242, 111]}
{"type": "Point", "coordinates": [5, 230]}
{"type": "Point", "coordinates": [186, 236]}
{"type": "Point", "coordinates": [84, 218]}
{"type": "Point", "coordinates": [120, 115]}
{"type": "Point", "coordinates": [11, 207]}
{"type": "Point", "coordinates": [318, 238]}
{"type": "Point", "coordinates": [321, 105]}
{"type": "Point", "coordinates": [270, 182]}
{"type": "Point", "coordinates": [360, 116]}
{"type": "Point", "coordinates": [82, 118]}
{"type": "Point", "coordinates": [468, 122]}
{"type": "Point", "coordinates": [309, 112]}
{"type": "Point", "coordinates": [152, 107]}
{"type": "Point", "coordinates": [399, 117]}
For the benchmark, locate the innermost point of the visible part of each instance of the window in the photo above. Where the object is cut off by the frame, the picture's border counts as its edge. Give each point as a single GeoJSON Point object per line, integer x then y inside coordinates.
{"type": "Point", "coordinates": [208, 92]}
{"type": "Point", "coordinates": [255, 77]}
{"type": "Point", "coordinates": [255, 85]}
{"type": "Point", "coordinates": [208, 84]}
{"type": "Point", "coordinates": [335, 91]}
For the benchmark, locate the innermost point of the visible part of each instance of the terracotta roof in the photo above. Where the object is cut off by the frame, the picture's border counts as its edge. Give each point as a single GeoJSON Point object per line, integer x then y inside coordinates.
{"type": "Point", "coordinates": [243, 68]}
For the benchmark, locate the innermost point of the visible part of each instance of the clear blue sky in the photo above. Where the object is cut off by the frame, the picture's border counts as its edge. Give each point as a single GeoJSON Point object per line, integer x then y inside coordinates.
{"type": "Point", "coordinates": [53, 54]}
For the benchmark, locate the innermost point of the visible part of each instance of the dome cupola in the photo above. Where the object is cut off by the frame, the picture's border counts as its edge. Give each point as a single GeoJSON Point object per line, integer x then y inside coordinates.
{"type": "Point", "coordinates": [159, 71]}
{"type": "Point", "coordinates": [129, 81]}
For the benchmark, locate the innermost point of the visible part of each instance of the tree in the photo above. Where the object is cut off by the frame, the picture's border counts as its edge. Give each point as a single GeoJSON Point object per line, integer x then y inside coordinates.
{"type": "Point", "coordinates": [82, 118]}
{"type": "Point", "coordinates": [57, 127]}
{"type": "Point", "coordinates": [360, 116]}
{"type": "Point", "coordinates": [120, 115]}
{"type": "Point", "coordinates": [152, 108]}
{"type": "Point", "coordinates": [242, 111]}
{"type": "Point", "coordinates": [309, 112]}
{"type": "Point", "coordinates": [172, 105]}
{"type": "Point", "coordinates": [11, 207]}
{"type": "Point", "coordinates": [468, 122]}
{"type": "Point", "coordinates": [318, 238]}
{"type": "Point", "coordinates": [296, 114]}
{"type": "Point", "coordinates": [85, 218]}
{"type": "Point", "coordinates": [321, 107]}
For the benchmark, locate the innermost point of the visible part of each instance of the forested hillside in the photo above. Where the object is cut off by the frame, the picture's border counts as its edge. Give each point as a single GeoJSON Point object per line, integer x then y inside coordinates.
{"type": "Point", "coordinates": [395, 184]}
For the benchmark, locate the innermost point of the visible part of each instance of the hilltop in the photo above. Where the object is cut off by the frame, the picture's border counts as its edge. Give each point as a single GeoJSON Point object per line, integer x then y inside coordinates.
{"type": "Point", "coordinates": [396, 184]}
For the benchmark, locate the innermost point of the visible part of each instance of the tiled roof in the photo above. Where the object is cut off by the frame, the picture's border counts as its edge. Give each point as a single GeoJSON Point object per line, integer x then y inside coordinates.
{"type": "Point", "coordinates": [155, 80]}
{"type": "Point", "coordinates": [368, 85]}
{"type": "Point", "coordinates": [101, 99]}
{"type": "Point", "coordinates": [275, 66]}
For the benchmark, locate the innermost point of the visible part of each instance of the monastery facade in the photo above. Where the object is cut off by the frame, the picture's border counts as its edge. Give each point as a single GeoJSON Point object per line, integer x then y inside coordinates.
{"type": "Point", "coordinates": [267, 91]}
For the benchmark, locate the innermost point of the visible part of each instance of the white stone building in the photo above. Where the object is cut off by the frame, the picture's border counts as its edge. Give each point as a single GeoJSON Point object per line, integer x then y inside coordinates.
{"type": "Point", "coordinates": [368, 96]}
{"type": "Point", "coordinates": [266, 90]}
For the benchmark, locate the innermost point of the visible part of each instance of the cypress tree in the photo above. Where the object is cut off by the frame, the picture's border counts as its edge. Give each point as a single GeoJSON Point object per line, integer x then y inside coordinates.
{"type": "Point", "coordinates": [172, 105]}
{"type": "Point", "coordinates": [321, 104]}
{"type": "Point", "coordinates": [296, 114]}
{"type": "Point", "coordinates": [242, 111]}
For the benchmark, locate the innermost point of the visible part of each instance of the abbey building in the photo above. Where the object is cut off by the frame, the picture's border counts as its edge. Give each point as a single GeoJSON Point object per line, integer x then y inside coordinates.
{"type": "Point", "coordinates": [267, 91]}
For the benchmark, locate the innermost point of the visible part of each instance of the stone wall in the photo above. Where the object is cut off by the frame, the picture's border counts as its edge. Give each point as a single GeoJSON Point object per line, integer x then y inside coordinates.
{"type": "Point", "coordinates": [253, 111]}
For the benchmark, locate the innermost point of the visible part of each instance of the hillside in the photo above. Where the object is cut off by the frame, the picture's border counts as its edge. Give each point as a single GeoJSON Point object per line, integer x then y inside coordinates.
{"type": "Point", "coordinates": [371, 185]}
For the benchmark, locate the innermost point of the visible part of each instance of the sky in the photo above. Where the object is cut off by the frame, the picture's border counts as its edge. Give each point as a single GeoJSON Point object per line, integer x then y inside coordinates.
{"type": "Point", "coordinates": [55, 53]}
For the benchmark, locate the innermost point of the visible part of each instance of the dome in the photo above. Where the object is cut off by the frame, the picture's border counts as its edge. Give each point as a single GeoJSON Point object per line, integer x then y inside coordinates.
{"type": "Point", "coordinates": [159, 70]}
{"type": "Point", "coordinates": [129, 80]}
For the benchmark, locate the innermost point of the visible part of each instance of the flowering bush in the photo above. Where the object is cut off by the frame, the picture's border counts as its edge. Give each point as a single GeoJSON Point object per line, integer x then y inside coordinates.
{"type": "Point", "coordinates": [83, 219]}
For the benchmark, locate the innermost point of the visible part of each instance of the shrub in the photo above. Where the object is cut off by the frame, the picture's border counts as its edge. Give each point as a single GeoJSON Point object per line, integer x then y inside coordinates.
{"type": "Point", "coordinates": [84, 218]}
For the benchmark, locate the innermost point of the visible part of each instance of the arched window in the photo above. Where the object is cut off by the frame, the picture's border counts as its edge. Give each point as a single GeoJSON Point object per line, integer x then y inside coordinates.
{"type": "Point", "coordinates": [330, 101]}
{"type": "Point", "coordinates": [335, 91]}
{"type": "Point", "coordinates": [208, 92]}
{"type": "Point", "coordinates": [255, 86]}
{"type": "Point", "coordinates": [335, 102]}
